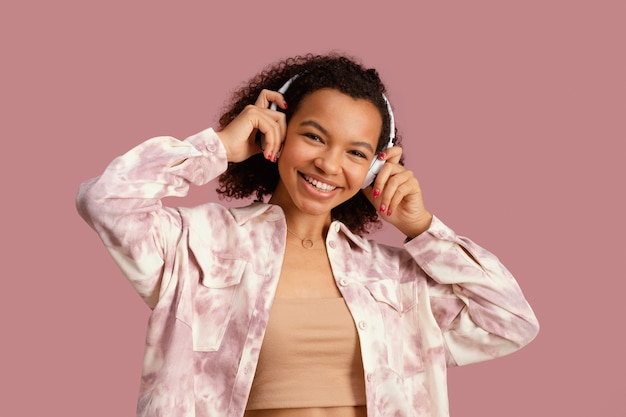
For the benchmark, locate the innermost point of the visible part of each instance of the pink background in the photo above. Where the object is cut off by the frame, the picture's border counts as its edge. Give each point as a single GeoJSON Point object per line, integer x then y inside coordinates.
{"type": "Point", "coordinates": [513, 118]}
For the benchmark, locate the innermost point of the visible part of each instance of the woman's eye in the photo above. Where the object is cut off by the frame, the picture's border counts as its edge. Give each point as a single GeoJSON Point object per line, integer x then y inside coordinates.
{"type": "Point", "coordinates": [313, 136]}
{"type": "Point", "coordinates": [359, 154]}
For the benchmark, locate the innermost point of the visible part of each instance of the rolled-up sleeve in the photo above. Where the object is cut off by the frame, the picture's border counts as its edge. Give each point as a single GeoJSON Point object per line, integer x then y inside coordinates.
{"type": "Point", "coordinates": [476, 301]}
{"type": "Point", "coordinates": [123, 205]}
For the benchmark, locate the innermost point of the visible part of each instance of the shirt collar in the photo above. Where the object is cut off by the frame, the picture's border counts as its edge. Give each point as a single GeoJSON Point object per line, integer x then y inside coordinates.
{"type": "Point", "coordinates": [256, 209]}
{"type": "Point", "coordinates": [360, 241]}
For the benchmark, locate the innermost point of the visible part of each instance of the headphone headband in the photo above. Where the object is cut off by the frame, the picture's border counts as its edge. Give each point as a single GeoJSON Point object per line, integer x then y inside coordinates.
{"type": "Point", "coordinates": [392, 123]}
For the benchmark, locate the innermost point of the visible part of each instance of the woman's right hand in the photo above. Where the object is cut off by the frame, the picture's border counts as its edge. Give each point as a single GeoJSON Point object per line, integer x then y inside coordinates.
{"type": "Point", "coordinates": [240, 134]}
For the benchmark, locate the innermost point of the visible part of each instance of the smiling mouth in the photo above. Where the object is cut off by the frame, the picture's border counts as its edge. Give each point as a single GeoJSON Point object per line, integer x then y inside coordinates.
{"type": "Point", "coordinates": [318, 184]}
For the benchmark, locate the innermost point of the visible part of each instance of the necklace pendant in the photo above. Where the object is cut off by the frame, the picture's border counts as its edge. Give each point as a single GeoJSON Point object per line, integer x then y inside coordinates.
{"type": "Point", "coordinates": [306, 242]}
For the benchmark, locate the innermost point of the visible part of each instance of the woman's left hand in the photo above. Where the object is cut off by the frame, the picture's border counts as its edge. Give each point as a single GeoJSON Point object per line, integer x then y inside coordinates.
{"type": "Point", "coordinates": [397, 196]}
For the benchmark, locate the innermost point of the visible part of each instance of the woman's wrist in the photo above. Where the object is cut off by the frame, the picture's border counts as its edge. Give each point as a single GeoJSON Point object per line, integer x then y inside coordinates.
{"type": "Point", "coordinates": [418, 227]}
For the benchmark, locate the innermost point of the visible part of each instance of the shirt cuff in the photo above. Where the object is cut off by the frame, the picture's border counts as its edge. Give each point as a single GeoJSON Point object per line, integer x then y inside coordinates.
{"type": "Point", "coordinates": [436, 240]}
{"type": "Point", "coordinates": [209, 143]}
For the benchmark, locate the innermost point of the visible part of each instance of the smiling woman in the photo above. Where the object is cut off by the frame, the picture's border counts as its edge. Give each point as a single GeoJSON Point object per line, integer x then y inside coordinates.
{"type": "Point", "coordinates": [256, 175]}
{"type": "Point", "coordinates": [328, 148]}
{"type": "Point", "coordinates": [283, 307]}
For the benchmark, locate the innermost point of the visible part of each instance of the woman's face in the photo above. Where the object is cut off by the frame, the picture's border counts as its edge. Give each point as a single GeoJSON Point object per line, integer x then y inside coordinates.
{"type": "Point", "coordinates": [330, 143]}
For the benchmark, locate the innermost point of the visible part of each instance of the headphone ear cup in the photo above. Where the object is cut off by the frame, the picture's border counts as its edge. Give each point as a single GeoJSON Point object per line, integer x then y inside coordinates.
{"type": "Point", "coordinates": [374, 169]}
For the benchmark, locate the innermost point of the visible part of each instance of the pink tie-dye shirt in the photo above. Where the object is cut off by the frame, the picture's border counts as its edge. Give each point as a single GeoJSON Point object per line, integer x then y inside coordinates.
{"type": "Point", "coordinates": [209, 275]}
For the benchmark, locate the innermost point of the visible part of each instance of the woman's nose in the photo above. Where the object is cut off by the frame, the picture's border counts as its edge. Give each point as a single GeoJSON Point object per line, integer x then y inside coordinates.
{"type": "Point", "coordinates": [329, 162]}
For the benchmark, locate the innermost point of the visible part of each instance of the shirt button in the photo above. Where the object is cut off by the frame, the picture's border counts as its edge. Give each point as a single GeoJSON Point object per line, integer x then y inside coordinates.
{"type": "Point", "coordinates": [370, 377]}
{"type": "Point", "coordinates": [343, 282]}
{"type": "Point", "coordinates": [212, 148]}
{"type": "Point", "coordinates": [332, 244]}
{"type": "Point", "coordinates": [362, 325]}
{"type": "Point", "coordinates": [337, 227]}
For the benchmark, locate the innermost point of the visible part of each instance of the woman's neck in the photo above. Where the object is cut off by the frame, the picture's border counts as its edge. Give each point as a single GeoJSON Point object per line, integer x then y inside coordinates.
{"type": "Point", "coordinates": [305, 225]}
{"type": "Point", "coordinates": [308, 227]}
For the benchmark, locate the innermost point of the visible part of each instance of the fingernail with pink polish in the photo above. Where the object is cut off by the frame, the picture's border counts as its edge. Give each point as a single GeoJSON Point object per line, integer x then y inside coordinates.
{"type": "Point", "coordinates": [388, 212]}
{"type": "Point", "coordinates": [269, 156]}
{"type": "Point", "coordinates": [382, 208]}
{"type": "Point", "coordinates": [382, 156]}
{"type": "Point", "coordinates": [285, 105]}
{"type": "Point", "coordinates": [376, 193]}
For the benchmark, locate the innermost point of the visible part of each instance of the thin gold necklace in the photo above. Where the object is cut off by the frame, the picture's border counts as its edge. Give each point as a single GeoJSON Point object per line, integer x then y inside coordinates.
{"type": "Point", "coordinates": [306, 242]}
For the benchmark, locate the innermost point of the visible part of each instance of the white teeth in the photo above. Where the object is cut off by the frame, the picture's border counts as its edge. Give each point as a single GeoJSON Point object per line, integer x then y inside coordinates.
{"type": "Point", "coordinates": [319, 185]}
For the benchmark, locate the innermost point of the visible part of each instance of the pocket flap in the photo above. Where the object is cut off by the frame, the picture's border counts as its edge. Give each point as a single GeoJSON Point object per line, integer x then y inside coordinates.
{"type": "Point", "coordinates": [384, 291]}
{"type": "Point", "coordinates": [222, 273]}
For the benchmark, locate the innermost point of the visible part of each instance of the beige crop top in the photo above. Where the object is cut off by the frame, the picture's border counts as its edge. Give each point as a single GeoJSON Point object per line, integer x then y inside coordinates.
{"type": "Point", "coordinates": [310, 359]}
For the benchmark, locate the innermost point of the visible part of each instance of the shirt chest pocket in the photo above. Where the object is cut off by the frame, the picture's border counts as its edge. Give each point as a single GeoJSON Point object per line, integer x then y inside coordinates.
{"type": "Point", "coordinates": [213, 302]}
{"type": "Point", "coordinates": [396, 305]}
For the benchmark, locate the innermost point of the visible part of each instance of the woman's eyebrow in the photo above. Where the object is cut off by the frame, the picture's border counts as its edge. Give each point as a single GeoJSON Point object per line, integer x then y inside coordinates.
{"type": "Point", "coordinates": [315, 125]}
{"type": "Point", "coordinates": [319, 127]}
{"type": "Point", "coordinates": [363, 144]}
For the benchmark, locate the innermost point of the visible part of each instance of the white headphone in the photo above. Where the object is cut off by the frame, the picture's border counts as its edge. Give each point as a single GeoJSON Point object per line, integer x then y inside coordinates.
{"type": "Point", "coordinates": [377, 164]}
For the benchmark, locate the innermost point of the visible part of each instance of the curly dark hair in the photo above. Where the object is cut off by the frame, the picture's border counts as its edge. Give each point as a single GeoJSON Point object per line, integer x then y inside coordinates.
{"type": "Point", "coordinates": [258, 176]}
